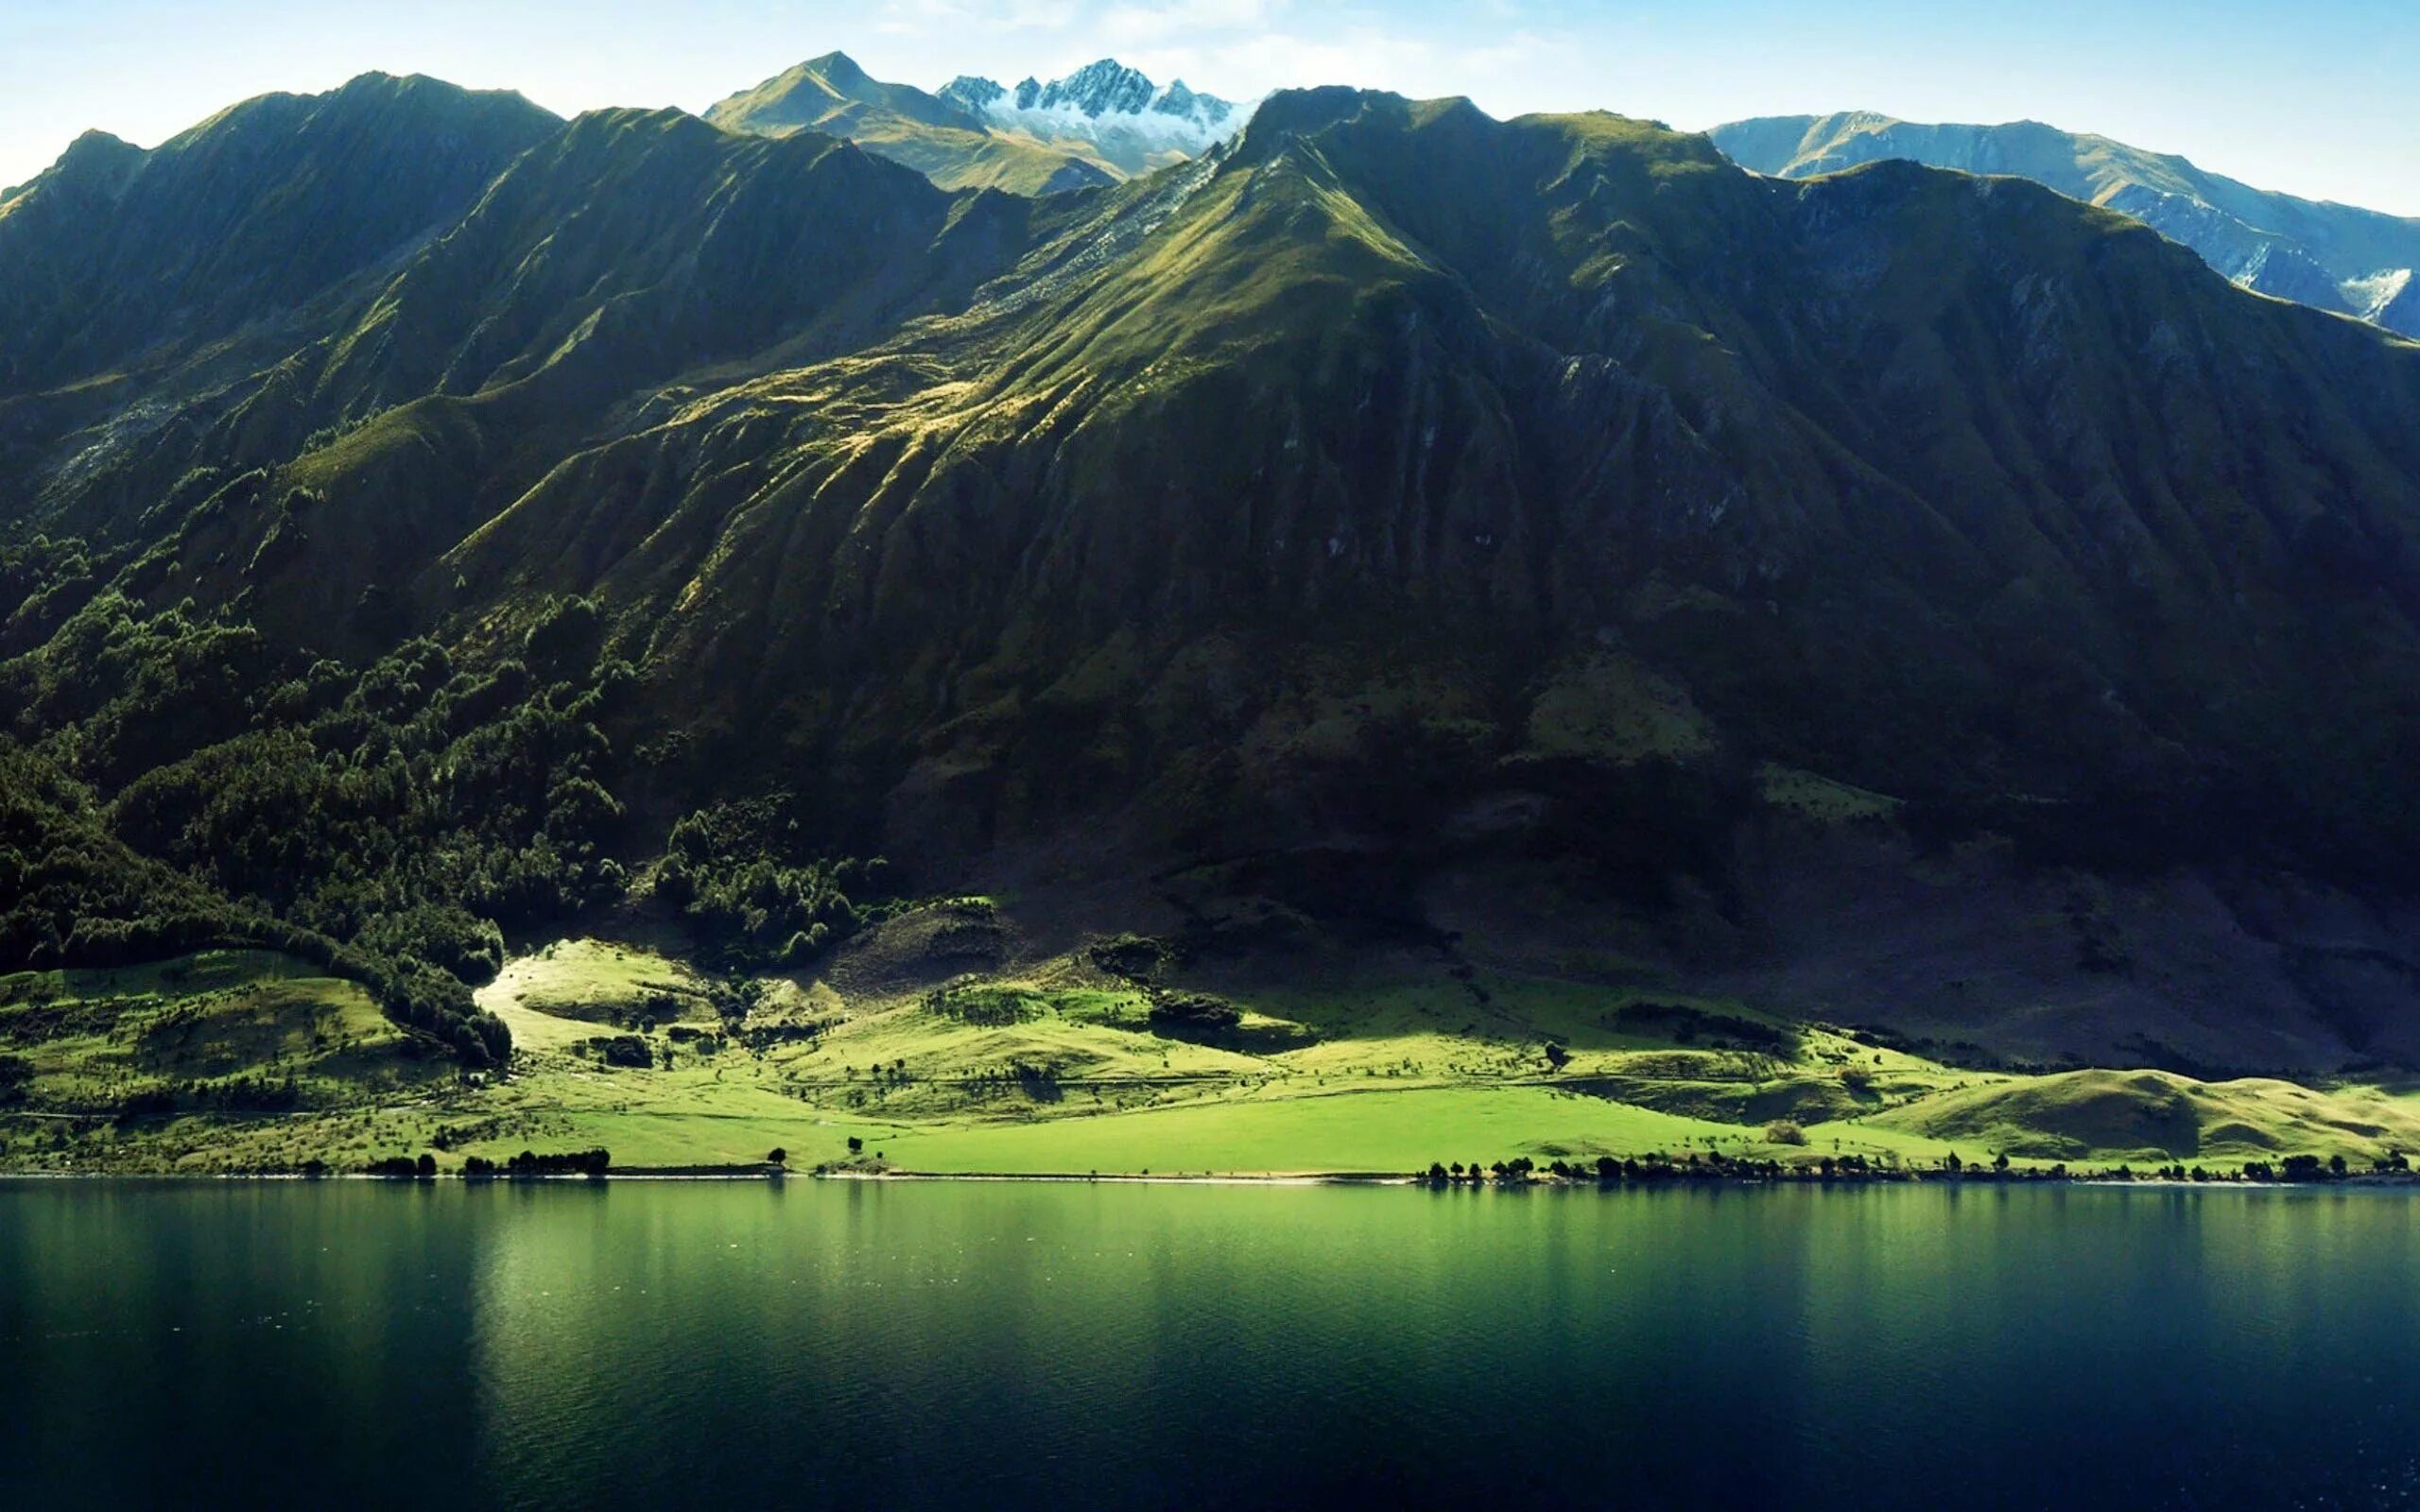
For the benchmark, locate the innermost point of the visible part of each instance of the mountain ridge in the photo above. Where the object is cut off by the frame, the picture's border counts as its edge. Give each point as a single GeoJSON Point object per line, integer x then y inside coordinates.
{"type": "Point", "coordinates": [2313, 252]}
{"type": "Point", "coordinates": [1101, 124]}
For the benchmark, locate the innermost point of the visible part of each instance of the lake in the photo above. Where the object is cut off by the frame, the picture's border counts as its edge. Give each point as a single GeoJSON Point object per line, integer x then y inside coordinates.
{"type": "Point", "coordinates": [999, 1346]}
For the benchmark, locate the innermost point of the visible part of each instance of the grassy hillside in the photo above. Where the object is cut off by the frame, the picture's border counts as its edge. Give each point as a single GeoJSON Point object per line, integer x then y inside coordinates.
{"type": "Point", "coordinates": [249, 1056]}
{"type": "Point", "coordinates": [1055, 1065]}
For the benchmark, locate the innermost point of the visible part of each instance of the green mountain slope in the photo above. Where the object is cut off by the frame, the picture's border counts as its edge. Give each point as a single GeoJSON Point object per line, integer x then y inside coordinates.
{"type": "Point", "coordinates": [117, 255]}
{"type": "Point", "coordinates": [2330, 256]}
{"type": "Point", "coordinates": [1499, 398]}
{"type": "Point", "coordinates": [1537, 539]}
{"type": "Point", "coordinates": [626, 251]}
{"type": "Point", "coordinates": [938, 138]}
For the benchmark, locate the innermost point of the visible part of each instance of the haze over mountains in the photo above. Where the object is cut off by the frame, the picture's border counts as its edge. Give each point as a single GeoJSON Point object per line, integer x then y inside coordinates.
{"type": "Point", "coordinates": [1897, 593]}
{"type": "Point", "coordinates": [2333, 257]}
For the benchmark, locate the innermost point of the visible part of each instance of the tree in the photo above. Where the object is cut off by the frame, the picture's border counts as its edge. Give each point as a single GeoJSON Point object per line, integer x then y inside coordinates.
{"type": "Point", "coordinates": [428, 1167]}
{"type": "Point", "coordinates": [777, 1155]}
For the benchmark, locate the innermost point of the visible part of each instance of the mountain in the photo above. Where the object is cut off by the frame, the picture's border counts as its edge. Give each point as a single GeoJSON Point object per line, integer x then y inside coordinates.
{"type": "Point", "coordinates": [1895, 596]}
{"type": "Point", "coordinates": [1102, 124]}
{"type": "Point", "coordinates": [955, 147]}
{"type": "Point", "coordinates": [2329, 256]}
{"type": "Point", "coordinates": [1134, 124]}
{"type": "Point", "coordinates": [118, 256]}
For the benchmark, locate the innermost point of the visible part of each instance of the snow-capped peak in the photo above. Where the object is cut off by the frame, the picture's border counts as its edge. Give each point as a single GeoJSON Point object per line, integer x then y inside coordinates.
{"type": "Point", "coordinates": [1116, 108]}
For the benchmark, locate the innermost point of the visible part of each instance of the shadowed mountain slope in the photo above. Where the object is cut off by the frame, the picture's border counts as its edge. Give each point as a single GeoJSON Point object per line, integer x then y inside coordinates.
{"type": "Point", "coordinates": [1929, 482]}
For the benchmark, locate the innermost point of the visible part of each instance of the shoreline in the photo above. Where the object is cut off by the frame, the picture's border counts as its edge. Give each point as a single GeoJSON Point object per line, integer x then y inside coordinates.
{"type": "Point", "coordinates": [2365, 1180]}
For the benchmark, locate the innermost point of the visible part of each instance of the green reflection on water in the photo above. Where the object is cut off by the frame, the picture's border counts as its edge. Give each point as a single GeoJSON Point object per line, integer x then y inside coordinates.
{"type": "Point", "coordinates": [1006, 1345]}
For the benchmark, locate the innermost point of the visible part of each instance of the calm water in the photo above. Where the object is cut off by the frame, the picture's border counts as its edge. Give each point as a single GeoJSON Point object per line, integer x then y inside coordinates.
{"type": "Point", "coordinates": [1020, 1345]}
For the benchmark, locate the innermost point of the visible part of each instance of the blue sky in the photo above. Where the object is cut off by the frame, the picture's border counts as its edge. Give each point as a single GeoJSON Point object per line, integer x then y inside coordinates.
{"type": "Point", "coordinates": [2314, 96]}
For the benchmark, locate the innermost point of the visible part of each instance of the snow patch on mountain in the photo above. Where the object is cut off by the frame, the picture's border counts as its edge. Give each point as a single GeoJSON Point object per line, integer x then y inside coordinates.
{"type": "Point", "coordinates": [2371, 296]}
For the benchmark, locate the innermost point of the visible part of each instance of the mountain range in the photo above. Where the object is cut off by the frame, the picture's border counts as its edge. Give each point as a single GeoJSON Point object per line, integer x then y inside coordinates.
{"type": "Point", "coordinates": [2332, 257]}
{"type": "Point", "coordinates": [1894, 594]}
{"type": "Point", "coordinates": [1099, 124]}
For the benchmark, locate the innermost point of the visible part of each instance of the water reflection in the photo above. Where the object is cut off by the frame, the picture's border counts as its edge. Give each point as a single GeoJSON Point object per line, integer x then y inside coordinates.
{"type": "Point", "coordinates": [1008, 1346]}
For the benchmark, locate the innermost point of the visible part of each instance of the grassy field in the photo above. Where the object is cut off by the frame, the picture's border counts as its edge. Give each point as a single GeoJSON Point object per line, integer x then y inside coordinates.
{"type": "Point", "coordinates": [244, 1060]}
{"type": "Point", "coordinates": [227, 1056]}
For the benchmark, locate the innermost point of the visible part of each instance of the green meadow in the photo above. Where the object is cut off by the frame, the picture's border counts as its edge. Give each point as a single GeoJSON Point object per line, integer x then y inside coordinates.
{"type": "Point", "coordinates": [230, 1061]}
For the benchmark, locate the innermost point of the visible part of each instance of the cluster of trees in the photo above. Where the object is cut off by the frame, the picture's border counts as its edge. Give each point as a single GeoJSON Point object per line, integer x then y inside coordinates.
{"type": "Point", "coordinates": [2303, 1168]}
{"type": "Point", "coordinates": [1198, 1013]}
{"type": "Point", "coordinates": [529, 1165]}
{"type": "Point", "coordinates": [627, 1050]}
{"type": "Point", "coordinates": [1713, 1165]}
{"type": "Point", "coordinates": [404, 1168]}
{"type": "Point", "coordinates": [172, 778]}
{"type": "Point", "coordinates": [258, 1092]}
{"type": "Point", "coordinates": [1520, 1168]}
{"type": "Point", "coordinates": [755, 892]}
{"type": "Point", "coordinates": [1709, 1166]}
{"type": "Point", "coordinates": [1687, 1025]}
{"type": "Point", "coordinates": [170, 781]}
{"type": "Point", "coordinates": [1135, 957]}
{"type": "Point", "coordinates": [523, 1166]}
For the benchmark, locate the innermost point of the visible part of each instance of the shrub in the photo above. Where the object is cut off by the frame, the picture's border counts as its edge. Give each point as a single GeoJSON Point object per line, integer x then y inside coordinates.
{"type": "Point", "coordinates": [628, 1051]}
{"type": "Point", "coordinates": [984, 1007]}
{"type": "Point", "coordinates": [1135, 957]}
{"type": "Point", "coordinates": [1194, 1011]}
{"type": "Point", "coordinates": [1783, 1132]}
